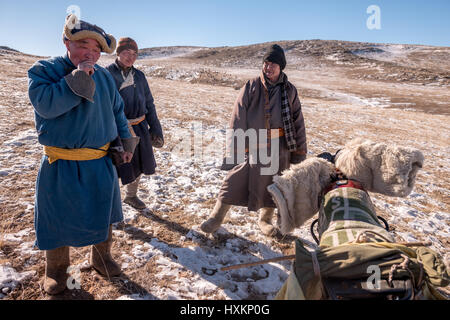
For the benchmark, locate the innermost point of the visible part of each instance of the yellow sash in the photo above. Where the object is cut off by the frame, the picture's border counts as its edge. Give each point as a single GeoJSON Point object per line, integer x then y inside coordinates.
{"type": "Point", "coordinates": [82, 154]}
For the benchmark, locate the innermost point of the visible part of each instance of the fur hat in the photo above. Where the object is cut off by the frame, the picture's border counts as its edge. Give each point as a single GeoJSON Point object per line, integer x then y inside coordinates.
{"type": "Point", "coordinates": [276, 55]}
{"type": "Point", "coordinates": [126, 43]}
{"type": "Point", "coordinates": [75, 30]}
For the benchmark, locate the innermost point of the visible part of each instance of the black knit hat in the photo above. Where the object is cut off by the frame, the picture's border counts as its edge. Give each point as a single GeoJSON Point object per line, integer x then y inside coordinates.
{"type": "Point", "coordinates": [276, 55]}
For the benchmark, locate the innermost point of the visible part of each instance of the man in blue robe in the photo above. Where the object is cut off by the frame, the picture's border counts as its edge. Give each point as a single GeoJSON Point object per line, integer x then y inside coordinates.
{"type": "Point", "coordinates": [78, 113]}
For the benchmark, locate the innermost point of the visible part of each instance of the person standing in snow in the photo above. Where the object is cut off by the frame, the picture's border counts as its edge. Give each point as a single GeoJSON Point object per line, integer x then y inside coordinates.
{"type": "Point", "coordinates": [141, 114]}
{"type": "Point", "coordinates": [78, 113]}
{"type": "Point", "coordinates": [269, 102]}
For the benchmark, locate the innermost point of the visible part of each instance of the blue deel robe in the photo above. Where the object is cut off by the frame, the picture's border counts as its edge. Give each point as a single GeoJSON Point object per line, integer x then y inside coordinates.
{"type": "Point", "coordinates": [76, 201]}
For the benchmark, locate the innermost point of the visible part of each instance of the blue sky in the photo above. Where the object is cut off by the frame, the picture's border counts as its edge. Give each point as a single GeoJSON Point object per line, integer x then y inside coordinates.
{"type": "Point", "coordinates": [36, 26]}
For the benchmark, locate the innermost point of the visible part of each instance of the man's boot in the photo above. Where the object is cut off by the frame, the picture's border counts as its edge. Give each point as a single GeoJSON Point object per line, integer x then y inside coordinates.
{"type": "Point", "coordinates": [56, 264]}
{"type": "Point", "coordinates": [131, 195]}
{"type": "Point", "coordinates": [265, 221]}
{"type": "Point", "coordinates": [216, 218]}
{"type": "Point", "coordinates": [102, 260]}
{"type": "Point", "coordinates": [135, 202]}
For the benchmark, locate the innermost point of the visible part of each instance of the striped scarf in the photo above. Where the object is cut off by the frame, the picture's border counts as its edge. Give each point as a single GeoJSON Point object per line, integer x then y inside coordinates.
{"type": "Point", "coordinates": [288, 124]}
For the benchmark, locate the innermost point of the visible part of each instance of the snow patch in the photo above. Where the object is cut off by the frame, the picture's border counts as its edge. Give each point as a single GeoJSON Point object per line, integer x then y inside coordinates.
{"type": "Point", "coordinates": [10, 278]}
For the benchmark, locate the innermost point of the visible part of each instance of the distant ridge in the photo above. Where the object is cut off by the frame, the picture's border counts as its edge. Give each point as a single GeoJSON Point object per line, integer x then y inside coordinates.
{"type": "Point", "coordinates": [380, 61]}
{"type": "Point", "coordinates": [336, 51]}
{"type": "Point", "coordinates": [9, 49]}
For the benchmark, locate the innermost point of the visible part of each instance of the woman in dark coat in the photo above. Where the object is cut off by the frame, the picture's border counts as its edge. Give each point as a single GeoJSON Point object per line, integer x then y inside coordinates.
{"type": "Point", "coordinates": [268, 102]}
{"type": "Point", "coordinates": [142, 118]}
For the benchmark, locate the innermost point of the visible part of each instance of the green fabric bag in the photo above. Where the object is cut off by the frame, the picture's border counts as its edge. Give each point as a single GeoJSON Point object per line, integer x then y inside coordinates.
{"type": "Point", "coordinates": [351, 261]}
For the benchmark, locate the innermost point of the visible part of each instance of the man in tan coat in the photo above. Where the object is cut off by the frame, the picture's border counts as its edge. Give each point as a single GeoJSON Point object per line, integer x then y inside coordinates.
{"type": "Point", "coordinates": [269, 104]}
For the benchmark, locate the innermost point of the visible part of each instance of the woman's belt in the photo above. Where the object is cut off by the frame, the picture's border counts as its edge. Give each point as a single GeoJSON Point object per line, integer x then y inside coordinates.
{"type": "Point", "coordinates": [82, 154]}
{"type": "Point", "coordinates": [136, 121]}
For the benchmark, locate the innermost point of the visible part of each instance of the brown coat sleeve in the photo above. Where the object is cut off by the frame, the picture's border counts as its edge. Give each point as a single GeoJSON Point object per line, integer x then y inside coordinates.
{"type": "Point", "coordinates": [238, 121]}
{"type": "Point", "coordinates": [239, 115]}
{"type": "Point", "coordinates": [299, 124]}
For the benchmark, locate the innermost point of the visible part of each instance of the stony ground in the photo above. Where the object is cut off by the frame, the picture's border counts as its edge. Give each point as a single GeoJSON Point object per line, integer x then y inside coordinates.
{"type": "Point", "coordinates": [162, 251]}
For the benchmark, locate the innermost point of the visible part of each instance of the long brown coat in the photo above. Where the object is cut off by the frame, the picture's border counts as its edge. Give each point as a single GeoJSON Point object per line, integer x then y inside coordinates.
{"type": "Point", "coordinates": [244, 184]}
